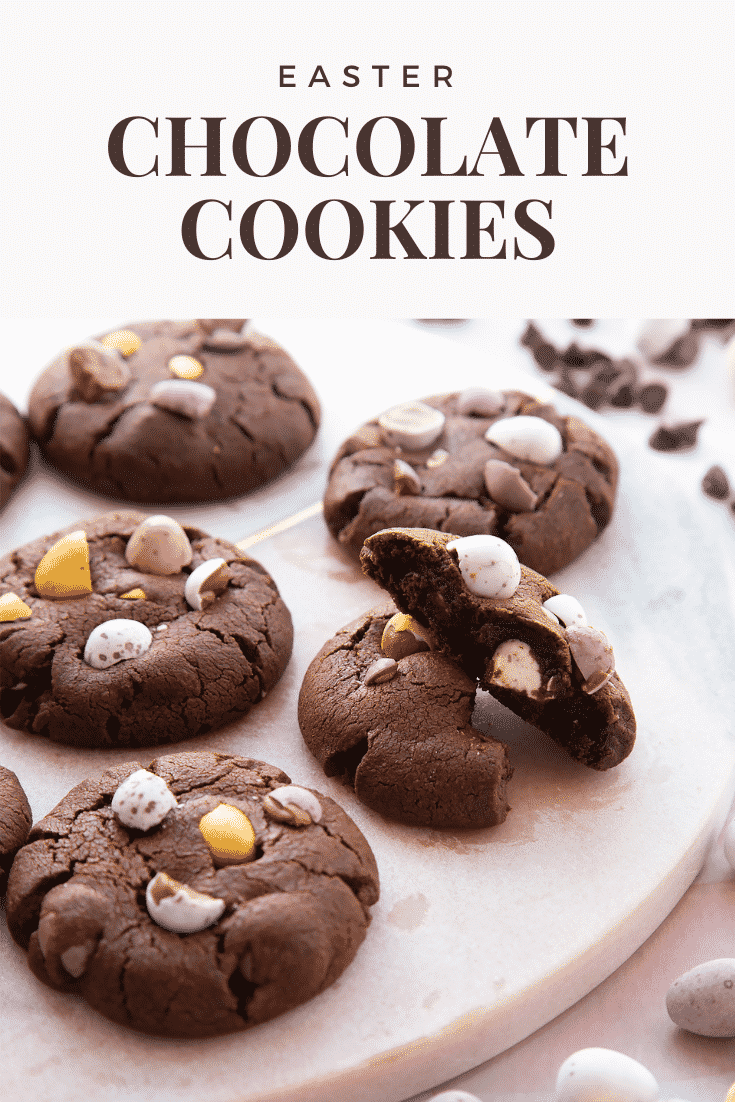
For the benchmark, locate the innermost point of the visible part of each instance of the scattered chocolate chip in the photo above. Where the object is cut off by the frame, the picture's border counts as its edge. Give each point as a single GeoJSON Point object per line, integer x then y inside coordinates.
{"type": "Point", "coordinates": [682, 352]}
{"type": "Point", "coordinates": [712, 323]}
{"type": "Point", "coordinates": [594, 395]}
{"type": "Point", "coordinates": [652, 396]}
{"type": "Point", "coordinates": [623, 397]}
{"type": "Point", "coordinates": [715, 483]}
{"type": "Point", "coordinates": [565, 383]}
{"type": "Point", "coordinates": [583, 323]}
{"type": "Point", "coordinates": [675, 438]}
{"type": "Point", "coordinates": [531, 337]}
{"type": "Point", "coordinates": [545, 356]}
{"type": "Point", "coordinates": [574, 356]}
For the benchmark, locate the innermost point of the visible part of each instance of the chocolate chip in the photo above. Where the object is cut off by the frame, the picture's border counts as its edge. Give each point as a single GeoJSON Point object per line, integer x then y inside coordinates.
{"type": "Point", "coordinates": [594, 395]}
{"type": "Point", "coordinates": [531, 337]}
{"type": "Point", "coordinates": [675, 438]}
{"type": "Point", "coordinates": [566, 385]}
{"type": "Point", "coordinates": [682, 353]}
{"type": "Point", "coordinates": [652, 396]}
{"type": "Point", "coordinates": [583, 323]}
{"type": "Point", "coordinates": [622, 398]}
{"type": "Point", "coordinates": [545, 356]}
{"type": "Point", "coordinates": [715, 483]}
{"type": "Point", "coordinates": [574, 356]}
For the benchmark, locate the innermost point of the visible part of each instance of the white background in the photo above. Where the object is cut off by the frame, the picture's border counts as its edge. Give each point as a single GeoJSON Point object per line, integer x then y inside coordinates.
{"type": "Point", "coordinates": [80, 238]}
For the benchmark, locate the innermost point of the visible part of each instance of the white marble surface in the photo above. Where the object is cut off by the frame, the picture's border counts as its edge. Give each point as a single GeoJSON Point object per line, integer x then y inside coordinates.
{"type": "Point", "coordinates": [479, 938]}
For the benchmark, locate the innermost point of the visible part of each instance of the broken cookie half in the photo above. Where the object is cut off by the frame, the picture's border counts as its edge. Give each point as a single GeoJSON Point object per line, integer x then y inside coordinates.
{"type": "Point", "coordinates": [384, 711]}
{"type": "Point", "coordinates": [513, 632]}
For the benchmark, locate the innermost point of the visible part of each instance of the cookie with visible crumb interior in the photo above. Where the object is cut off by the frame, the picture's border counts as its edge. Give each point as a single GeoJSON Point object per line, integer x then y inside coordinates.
{"type": "Point", "coordinates": [556, 674]}
{"type": "Point", "coordinates": [160, 933]}
{"type": "Point", "coordinates": [173, 411]}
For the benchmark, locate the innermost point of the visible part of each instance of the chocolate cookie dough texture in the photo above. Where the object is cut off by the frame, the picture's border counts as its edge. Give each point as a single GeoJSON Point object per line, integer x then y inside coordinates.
{"type": "Point", "coordinates": [14, 450]}
{"type": "Point", "coordinates": [177, 901]}
{"type": "Point", "coordinates": [130, 630]}
{"type": "Point", "coordinates": [15, 821]}
{"type": "Point", "coordinates": [476, 462]}
{"type": "Point", "coordinates": [513, 632]}
{"type": "Point", "coordinates": [386, 713]}
{"type": "Point", "coordinates": [174, 411]}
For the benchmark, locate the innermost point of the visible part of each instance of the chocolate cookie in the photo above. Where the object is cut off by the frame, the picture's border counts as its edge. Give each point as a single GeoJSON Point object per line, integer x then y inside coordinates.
{"type": "Point", "coordinates": [399, 729]}
{"type": "Point", "coordinates": [528, 645]}
{"type": "Point", "coordinates": [14, 451]}
{"type": "Point", "coordinates": [128, 630]}
{"type": "Point", "coordinates": [200, 895]}
{"type": "Point", "coordinates": [478, 461]}
{"type": "Point", "coordinates": [174, 411]}
{"type": "Point", "coordinates": [15, 821]}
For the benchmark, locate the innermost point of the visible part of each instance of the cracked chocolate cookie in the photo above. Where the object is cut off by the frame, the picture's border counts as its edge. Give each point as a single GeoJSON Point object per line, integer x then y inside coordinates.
{"type": "Point", "coordinates": [199, 895]}
{"type": "Point", "coordinates": [509, 628]}
{"type": "Point", "coordinates": [382, 710]}
{"type": "Point", "coordinates": [478, 461]}
{"type": "Point", "coordinates": [174, 411]}
{"type": "Point", "coordinates": [14, 451]}
{"type": "Point", "coordinates": [15, 821]}
{"type": "Point", "coordinates": [128, 630]}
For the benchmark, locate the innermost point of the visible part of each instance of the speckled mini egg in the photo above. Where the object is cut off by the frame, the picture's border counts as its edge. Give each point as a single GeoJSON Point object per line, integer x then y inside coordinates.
{"type": "Point", "coordinates": [703, 999]}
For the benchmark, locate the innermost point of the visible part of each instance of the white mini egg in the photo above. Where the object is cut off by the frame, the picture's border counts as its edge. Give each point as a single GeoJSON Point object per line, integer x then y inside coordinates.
{"type": "Point", "coordinates": [594, 1074]}
{"type": "Point", "coordinates": [567, 609]}
{"type": "Point", "coordinates": [703, 1000]}
{"type": "Point", "coordinates": [489, 565]}
{"type": "Point", "coordinates": [190, 399]}
{"type": "Point", "coordinates": [179, 908]}
{"type": "Point", "coordinates": [411, 425]}
{"type": "Point", "coordinates": [115, 641]}
{"type": "Point", "coordinates": [527, 438]}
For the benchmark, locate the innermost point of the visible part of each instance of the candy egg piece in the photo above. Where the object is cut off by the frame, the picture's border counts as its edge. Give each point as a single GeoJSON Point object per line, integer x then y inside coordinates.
{"type": "Point", "coordinates": [125, 341]}
{"type": "Point", "coordinates": [229, 834]}
{"type": "Point", "coordinates": [601, 1073]}
{"type": "Point", "coordinates": [185, 367]}
{"type": "Point", "coordinates": [411, 425]}
{"type": "Point", "coordinates": [63, 572]}
{"type": "Point", "coordinates": [143, 800]}
{"type": "Point", "coordinates": [508, 488]}
{"type": "Point", "coordinates": [206, 582]}
{"type": "Point", "coordinates": [293, 796]}
{"type": "Point", "coordinates": [116, 641]}
{"type": "Point", "coordinates": [592, 655]}
{"type": "Point", "coordinates": [402, 635]}
{"type": "Point", "coordinates": [514, 666]}
{"type": "Point", "coordinates": [567, 609]}
{"type": "Point", "coordinates": [702, 1000]}
{"type": "Point", "coordinates": [489, 566]}
{"type": "Point", "coordinates": [13, 608]}
{"type": "Point", "coordinates": [528, 438]}
{"type": "Point", "coordinates": [478, 401]}
{"type": "Point", "coordinates": [192, 400]}
{"type": "Point", "coordinates": [179, 908]}
{"type": "Point", "coordinates": [159, 545]}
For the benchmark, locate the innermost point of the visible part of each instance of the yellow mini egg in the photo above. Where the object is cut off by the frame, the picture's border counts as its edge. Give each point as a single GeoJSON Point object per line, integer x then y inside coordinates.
{"type": "Point", "coordinates": [13, 608]}
{"type": "Point", "coordinates": [229, 834]}
{"type": "Point", "coordinates": [63, 572]}
{"type": "Point", "coordinates": [185, 367]}
{"type": "Point", "coordinates": [124, 340]}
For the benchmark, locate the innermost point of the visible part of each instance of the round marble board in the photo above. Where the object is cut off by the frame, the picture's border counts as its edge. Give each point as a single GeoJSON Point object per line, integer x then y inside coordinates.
{"type": "Point", "coordinates": [480, 937]}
